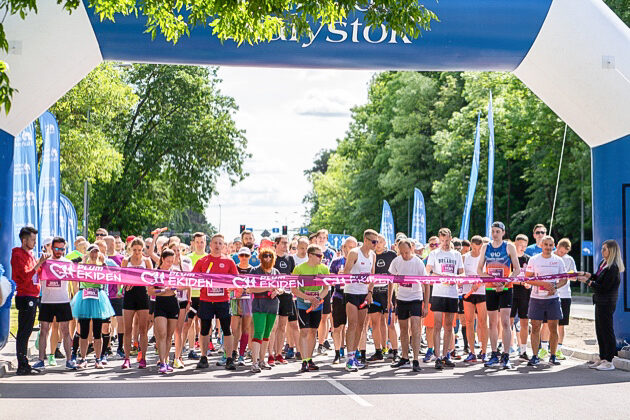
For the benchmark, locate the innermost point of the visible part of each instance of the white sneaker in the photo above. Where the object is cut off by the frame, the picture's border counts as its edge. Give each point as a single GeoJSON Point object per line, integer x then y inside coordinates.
{"type": "Point", "coordinates": [606, 365]}
{"type": "Point", "coordinates": [594, 365]}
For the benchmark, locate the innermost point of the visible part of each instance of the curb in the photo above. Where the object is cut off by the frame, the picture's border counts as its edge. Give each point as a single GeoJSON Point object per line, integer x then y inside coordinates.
{"type": "Point", "coordinates": [5, 367]}
{"type": "Point", "coordinates": [580, 354]}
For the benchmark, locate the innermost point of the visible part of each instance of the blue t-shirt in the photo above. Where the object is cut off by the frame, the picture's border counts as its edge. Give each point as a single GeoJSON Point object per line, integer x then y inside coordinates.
{"type": "Point", "coordinates": [335, 267]}
{"type": "Point", "coordinates": [327, 259]}
{"type": "Point", "coordinates": [253, 260]}
{"type": "Point", "coordinates": [533, 249]}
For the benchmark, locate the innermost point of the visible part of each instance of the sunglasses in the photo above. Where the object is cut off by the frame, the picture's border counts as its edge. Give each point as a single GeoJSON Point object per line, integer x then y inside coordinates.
{"type": "Point", "coordinates": [266, 256]}
{"type": "Point", "coordinates": [374, 241]}
{"type": "Point", "coordinates": [58, 249]}
{"type": "Point", "coordinates": [433, 245]}
{"type": "Point", "coordinates": [540, 232]}
{"type": "Point", "coordinates": [100, 234]}
{"type": "Point", "coordinates": [318, 255]}
{"type": "Point", "coordinates": [243, 255]}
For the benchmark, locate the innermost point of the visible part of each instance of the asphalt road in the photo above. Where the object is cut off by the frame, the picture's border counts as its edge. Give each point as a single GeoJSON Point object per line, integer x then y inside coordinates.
{"type": "Point", "coordinates": [567, 391]}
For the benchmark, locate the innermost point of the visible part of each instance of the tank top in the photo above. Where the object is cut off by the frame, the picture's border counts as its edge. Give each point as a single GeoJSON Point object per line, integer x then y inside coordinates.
{"type": "Point", "coordinates": [470, 269]}
{"type": "Point", "coordinates": [361, 266]}
{"type": "Point", "coordinates": [498, 261]}
{"type": "Point", "coordinates": [141, 265]}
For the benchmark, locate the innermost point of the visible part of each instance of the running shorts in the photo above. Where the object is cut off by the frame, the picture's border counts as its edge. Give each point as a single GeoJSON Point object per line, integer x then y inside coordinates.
{"type": "Point", "coordinates": [408, 308]}
{"type": "Point", "coordinates": [498, 300]}
{"type": "Point", "coordinates": [49, 311]}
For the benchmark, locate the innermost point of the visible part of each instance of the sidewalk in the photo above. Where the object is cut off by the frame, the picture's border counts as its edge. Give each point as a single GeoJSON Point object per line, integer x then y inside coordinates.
{"type": "Point", "coordinates": [8, 361]}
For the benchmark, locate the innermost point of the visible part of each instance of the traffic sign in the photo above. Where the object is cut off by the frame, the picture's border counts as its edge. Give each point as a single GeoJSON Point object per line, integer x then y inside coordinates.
{"type": "Point", "coordinates": [275, 230]}
{"type": "Point", "coordinates": [303, 231]}
{"type": "Point", "coordinates": [587, 248]}
{"type": "Point", "coordinates": [335, 240]}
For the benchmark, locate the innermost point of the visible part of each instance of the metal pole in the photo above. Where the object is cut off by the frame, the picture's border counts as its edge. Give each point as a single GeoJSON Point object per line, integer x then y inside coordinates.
{"type": "Point", "coordinates": [86, 209]}
{"type": "Point", "coordinates": [582, 285]}
{"type": "Point", "coordinates": [555, 196]}
{"type": "Point", "coordinates": [408, 219]}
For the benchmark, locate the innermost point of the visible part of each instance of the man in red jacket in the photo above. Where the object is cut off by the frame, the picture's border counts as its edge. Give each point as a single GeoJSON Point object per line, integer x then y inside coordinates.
{"type": "Point", "coordinates": [24, 270]}
{"type": "Point", "coordinates": [216, 301]}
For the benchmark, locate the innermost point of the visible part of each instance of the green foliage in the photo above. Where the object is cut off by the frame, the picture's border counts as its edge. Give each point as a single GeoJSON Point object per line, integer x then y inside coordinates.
{"type": "Point", "coordinates": [417, 130]}
{"type": "Point", "coordinates": [152, 140]}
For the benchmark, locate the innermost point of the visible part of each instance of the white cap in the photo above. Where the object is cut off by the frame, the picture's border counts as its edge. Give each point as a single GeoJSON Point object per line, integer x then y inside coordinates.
{"type": "Point", "coordinates": [244, 250]}
{"type": "Point", "coordinates": [47, 241]}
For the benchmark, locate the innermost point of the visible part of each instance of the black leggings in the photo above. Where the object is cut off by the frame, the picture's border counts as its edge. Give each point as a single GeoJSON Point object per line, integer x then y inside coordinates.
{"type": "Point", "coordinates": [84, 328]}
{"type": "Point", "coordinates": [225, 326]}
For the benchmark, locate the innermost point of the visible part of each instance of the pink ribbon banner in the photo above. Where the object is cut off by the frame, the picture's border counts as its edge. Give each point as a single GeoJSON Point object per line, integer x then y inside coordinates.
{"type": "Point", "coordinates": [64, 271]}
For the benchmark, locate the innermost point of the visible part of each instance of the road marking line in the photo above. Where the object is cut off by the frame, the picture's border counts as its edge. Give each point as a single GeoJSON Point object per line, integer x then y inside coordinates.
{"type": "Point", "coordinates": [349, 393]}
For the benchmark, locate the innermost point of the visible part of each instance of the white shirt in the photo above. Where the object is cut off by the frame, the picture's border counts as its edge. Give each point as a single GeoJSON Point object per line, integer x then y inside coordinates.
{"type": "Point", "coordinates": [55, 291]}
{"type": "Point", "coordinates": [447, 263]}
{"type": "Point", "coordinates": [470, 269]}
{"type": "Point", "coordinates": [412, 267]}
{"type": "Point", "coordinates": [363, 265]}
{"type": "Point", "coordinates": [569, 264]}
{"type": "Point", "coordinates": [299, 260]}
{"type": "Point", "coordinates": [542, 266]}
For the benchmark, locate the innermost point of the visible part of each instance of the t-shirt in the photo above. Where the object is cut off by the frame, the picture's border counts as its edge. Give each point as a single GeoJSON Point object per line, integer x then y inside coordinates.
{"type": "Point", "coordinates": [55, 291]}
{"type": "Point", "coordinates": [194, 257]}
{"type": "Point", "coordinates": [26, 280]}
{"type": "Point", "coordinates": [297, 260]}
{"type": "Point", "coordinates": [470, 269]}
{"type": "Point", "coordinates": [259, 270]}
{"type": "Point", "coordinates": [285, 264]}
{"type": "Point", "coordinates": [446, 263]}
{"type": "Point", "coordinates": [111, 289]}
{"type": "Point", "coordinates": [74, 255]}
{"type": "Point", "coordinates": [216, 265]}
{"type": "Point", "coordinates": [336, 266]}
{"type": "Point", "coordinates": [328, 256]}
{"type": "Point", "coordinates": [533, 249]}
{"type": "Point", "coordinates": [117, 258]}
{"type": "Point", "coordinates": [382, 267]}
{"type": "Point", "coordinates": [253, 259]}
{"type": "Point", "coordinates": [541, 266]}
{"type": "Point", "coordinates": [569, 264]}
{"type": "Point", "coordinates": [306, 270]}
{"type": "Point", "coordinates": [412, 267]}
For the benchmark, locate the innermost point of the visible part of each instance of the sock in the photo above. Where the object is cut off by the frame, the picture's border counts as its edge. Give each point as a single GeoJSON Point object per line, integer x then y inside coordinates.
{"type": "Point", "coordinates": [105, 344]}
{"type": "Point", "coordinates": [522, 348]}
{"type": "Point", "coordinates": [559, 346]}
{"type": "Point", "coordinates": [363, 354]}
{"type": "Point", "coordinates": [378, 351]}
{"type": "Point", "coordinates": [75, 343]}
{"type": "Point", "coordinates": [465, 336]}
{"type": "Point", "coordinates": [394, 352]}
{"type": "Point", "coordinates": [58, 346]}
{"type": "Point", "coordinates": [120, 341]}
{"type": "Point", "coordinates": [243, 344]}
{"type": "Point", "coordinates": [337, 354]}
{"type": "Point", "coordinates": [545, 345]}
{"type": "Point", "coordinates": [234, 354]}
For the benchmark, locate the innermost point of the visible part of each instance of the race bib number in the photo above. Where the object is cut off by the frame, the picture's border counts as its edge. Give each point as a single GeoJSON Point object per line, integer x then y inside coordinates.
{"type": "Point", "coordinates": [215, 291]}
{"type": "Point", "coordinates": [448, 268]}
{"type": "Point", "coordinates": [496, 271]}
{"type": "Point", "coordinates": [54, 284]}
{"type": "Point", "coordinates": [406, 285]}
{"type": "Point", "coordinates": [90, 293]}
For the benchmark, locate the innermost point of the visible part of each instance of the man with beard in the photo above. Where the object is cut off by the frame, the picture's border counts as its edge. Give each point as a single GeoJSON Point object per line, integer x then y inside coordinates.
{"type": "Point", "coordinates": [247, 238]}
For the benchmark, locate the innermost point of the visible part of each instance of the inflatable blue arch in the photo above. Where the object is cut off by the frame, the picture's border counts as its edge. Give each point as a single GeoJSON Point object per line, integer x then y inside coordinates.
{"type": "Point", "coordinates": [573, 54]}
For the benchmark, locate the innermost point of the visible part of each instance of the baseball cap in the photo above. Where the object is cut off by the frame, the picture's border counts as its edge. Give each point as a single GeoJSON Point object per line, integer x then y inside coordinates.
{"type": "Point", "coordinates": [499, 225]}
{"type": "Point", "coordinates": [47, 241]}
{"type": "Point", "coordinates": [130, 238]}
{"type": "Point", "coordinates": [244, 250]}
{"type": "Point", "coordinates": [92, 248]}
{"type": "Point", "coordinates": [237, 239]}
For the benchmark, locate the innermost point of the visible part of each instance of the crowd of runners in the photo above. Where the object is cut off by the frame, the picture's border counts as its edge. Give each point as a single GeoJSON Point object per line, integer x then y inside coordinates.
{"type": "Point", "coordinates": [410, 325]}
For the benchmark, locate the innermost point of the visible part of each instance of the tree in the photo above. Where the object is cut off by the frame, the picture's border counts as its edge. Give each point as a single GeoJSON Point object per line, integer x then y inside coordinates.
{"type": "Point", "coordinates": [240, 21]}
{"type": "Point", "coordinates": [152, 140]}
{"type": "Point", "coordinates": [177, 139]}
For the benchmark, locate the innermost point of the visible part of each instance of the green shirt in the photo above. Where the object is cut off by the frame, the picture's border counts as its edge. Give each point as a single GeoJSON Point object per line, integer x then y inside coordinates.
{"type": "Point", "coordinates": [194, 257]}
{"type": "Point", "coordinates": [306, 270]}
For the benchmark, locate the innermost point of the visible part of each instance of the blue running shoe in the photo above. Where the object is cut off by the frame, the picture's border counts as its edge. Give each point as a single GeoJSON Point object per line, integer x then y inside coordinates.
{"type": "Point", "coordinates": [342, 352]}
{"type": "Point", "coordinates": [505, 361]}
{"type": "Point", "coordinates": [429, 357]}
{"type": "Point", "coordinates": [72, 365]}
{"type": "Point", "coordinates": [290, 353]}
{"type": "Point", "coordinates": [533, 361]}
{"type": "Point", "coordinates": [223, 360]}
{"type": "Point", "coordinates": [471, 358]}
{"type": "Point", "coordinates": [351, 365]}
{"type": "Point", "coordinates": [120, 353]}
{"type": "Point", "coordinates": [494, 360]}
{"type": "Point", "coordinates": [192, 355]}
{"type": "Point", "coordinates": [358, 364]}
{"type": "Point", "coordinates": [39, 365]}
